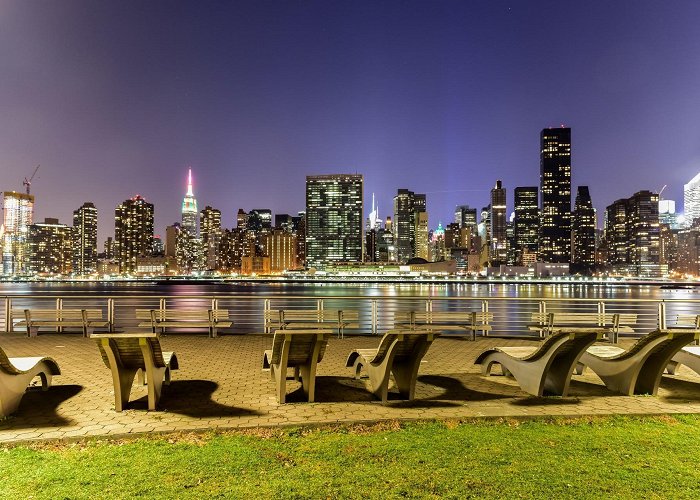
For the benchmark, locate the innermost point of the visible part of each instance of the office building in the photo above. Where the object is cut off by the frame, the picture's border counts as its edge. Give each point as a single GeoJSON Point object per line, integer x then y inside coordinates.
{"type": "Point", "coordinates": [691, 200]}
{"type": "Point", "coordinates": [50, 247]}
{"type": "Point", "coordinates": [525, 223]}
{"type": "Point", "coordinates": [667, 213]}
{"type": "Point", "coordinates": [334, 213]}
{"type": "Point", "coordinates": [465, 216]}
{"type": "Point", "coordinates": [259, 219]}
{"type": "Point", "coordinates": [281, 249]}
{"type": "Point", "coordinates": [85, 239]}
{"type": "Point", "coordinates": [189, 209]}
{"type": "Point", "coordinates": [133, 232]}
{"type": "Point", "coordinates": [422, 243]}
{"type": "Point", "coordinates": [554, 240]}
{"type": "Point", "coordinates": [497, 219]}
{"type": "Point", "coordinates": [210, 232]}
{"type": "Point", "coordinates": [583, 231]}
{"type": "Point", "coordinates": [18, 215]}
{"type": "Point", "coordinates": [406, 205]}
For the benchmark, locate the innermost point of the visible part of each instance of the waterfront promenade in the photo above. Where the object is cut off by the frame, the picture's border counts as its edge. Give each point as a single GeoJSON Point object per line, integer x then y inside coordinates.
{"type": "Point", "coordinates": [221, 385]}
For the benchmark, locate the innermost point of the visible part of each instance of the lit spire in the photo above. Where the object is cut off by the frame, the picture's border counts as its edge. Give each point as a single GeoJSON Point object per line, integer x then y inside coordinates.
{"type": "Point", "coordinates": [189, 183]}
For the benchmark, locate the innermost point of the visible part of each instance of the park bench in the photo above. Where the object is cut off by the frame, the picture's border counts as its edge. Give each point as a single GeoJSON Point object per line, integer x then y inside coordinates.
{"type": "Point", "coordinates": [466, 321]}
{"type": "Point", "coordinates": [160, 319]}
{"type": "Point", "coordinates": [17, 373]}
{"type": "Point", "coordinates": [291, 319]}
{"type": "Point", "coordinates": [610, 324]}
{"type": "Point", "coordinates": [85, 319]}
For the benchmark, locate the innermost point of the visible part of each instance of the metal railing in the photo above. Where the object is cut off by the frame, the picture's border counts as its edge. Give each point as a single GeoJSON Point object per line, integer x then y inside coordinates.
{"type": "Point", "coordinates": [376, 313]}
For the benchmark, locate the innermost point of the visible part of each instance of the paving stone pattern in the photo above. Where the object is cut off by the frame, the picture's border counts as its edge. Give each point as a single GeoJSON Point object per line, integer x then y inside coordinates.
{"type": "Point", "coordinates": [221, 384]}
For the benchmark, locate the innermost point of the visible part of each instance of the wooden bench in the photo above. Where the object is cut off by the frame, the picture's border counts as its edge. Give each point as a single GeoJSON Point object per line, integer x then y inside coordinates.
{"type": "Point", "coordinates": [291, 319]}
{"type": "Point", "coordinates": [85, 319]}
{"type": "Point", "coordinates": [467, 321]}
{"type": "Point", "coordinates": [160, 319]}
{"type": "Point", "coordinates": [610, 324]}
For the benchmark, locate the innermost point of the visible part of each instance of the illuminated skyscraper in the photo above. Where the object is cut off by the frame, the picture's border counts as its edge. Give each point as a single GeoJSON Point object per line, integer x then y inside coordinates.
{"type": "Point", "coordinates": [18, 215]}
{"type": "Point", "coordinates": [584, 225]}
{"type": "Point", "coordinates": [554, 241]}
{"type": "Point", "coordinates": [50, 247]}
{"type": "Point", "coordinates": [334, 208]}
{"type": "Point", "coordinates": [499, 242]}
{"type": "Point", "coordinates": [85, 239]}
{"type": "Point", "coordinates": [525, 224]}
{"type": "Point", "coordinates": [133, 232]}
{"type": "Point", "coordinates": [691, 200]}
{"type": "Point", "coordinates": [407, 205]}
{"type": "Point", "coordinates": [210, 228]}
{"type": "Point", "coordinates": [189, 209]}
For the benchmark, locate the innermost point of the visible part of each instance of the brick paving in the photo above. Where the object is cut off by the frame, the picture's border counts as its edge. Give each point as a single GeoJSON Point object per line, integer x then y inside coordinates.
{"type": "Point", "coordinates": [221, 385]}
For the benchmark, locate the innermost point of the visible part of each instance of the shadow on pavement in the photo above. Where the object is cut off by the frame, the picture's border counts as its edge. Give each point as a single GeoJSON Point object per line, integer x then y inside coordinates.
{"type": "Point", "coordinates": [38, 408]}
{"type": "Point", "coordinates": [455, 390]}
{"type": "Point", "coordinates": [193, 398]}
{"type": "Point", "coordinates": [679, 389]}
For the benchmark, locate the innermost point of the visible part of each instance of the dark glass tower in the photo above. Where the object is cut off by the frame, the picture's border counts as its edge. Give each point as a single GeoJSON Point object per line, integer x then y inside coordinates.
{"type": "Point", "coordinates": [584, 224]}
{"type": "Point", "coordinates": [526, 222]}
{"type": "Point", "coordinates": [554, 239]}
{"type": "Point", "coordinates": [333, 219]}
{"type": "Point", "coordinates": [499, 242]}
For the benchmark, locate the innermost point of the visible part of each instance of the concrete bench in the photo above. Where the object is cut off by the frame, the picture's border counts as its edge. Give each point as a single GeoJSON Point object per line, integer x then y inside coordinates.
{"type": "Point", "coordinates": [291, 319]}
{"type": "Point", "coordinates": [85, 319]}
{"type": "Point", "coordinates": [160, 319]}
{"type": "Point", "coordinates": [468, 322]}
{"type": "Point", "coordinates": [610, 324]}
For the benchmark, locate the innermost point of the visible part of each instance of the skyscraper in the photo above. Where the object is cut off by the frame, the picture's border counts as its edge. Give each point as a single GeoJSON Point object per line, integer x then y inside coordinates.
{"type": "Point", "coordinates": [465, 216]}
{"type": "Point", "coordinates": [17, 217]}
{"type": "Point", "coordinates": [85, 239]}
{"type": "Point", "coordinates": [189, 209]}
{"type": "Point", "coordinates": [691, 200]}
{"type": "Point", "coordinates": [525, 224]}
{"type": "Point", "coordinates": [584, 226]}
{"type": "Point", "coordinates": [406, 205]}
{"type": "Point", "coordinates": [133, 232]}
{"type": "Point", "coordinates": [210, 230]}
{"type": "Point", "coordinates": [334, 213]}
{"type": "Point", "coordinates": [50, 247]}
{"type": "Point", "coordinates": [499, 242]}
{"type": "Point", "coordinates": [554, 241]}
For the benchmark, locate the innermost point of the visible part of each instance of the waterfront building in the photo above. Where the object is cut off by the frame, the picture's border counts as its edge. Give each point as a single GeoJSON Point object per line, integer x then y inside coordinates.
{"type": "Point", "coordinates": [554, 237]}
{"type": "Point", "coordinates": [189, 254]}
{"type": "Point", "coordinates": [281, 249]}
{"type": "Point", "coordinates": [406, 205]}
{"type": "Point", "coordinates": [583, 231]}
{"type": "Point", "coordinates": [371, 253]}
{"type": "Point", "coordinates": [691, 200]}
{"type": "Point", "coordinates": [525, 224]}
{"type": "Point", "coordinates": [85, 239]}
{"type": "Point", "coordinates": [133, 232]}
{"type": "Point", "coordinates": [334, 214]}
{"type": "Point", "coordinates": [171, 233]}
{"type": "Point", "coordinates": [210, 232]}
{"type": "Point", "coordinates": [422, 242]}
{"type": "Point", "coordinates": [484, 232]}
{"type": "Point", "coordinates": [231, 250]}
{"type": "Point", "coordinates": [18, 215]}
{"type": "Point", "coordinates": [50, 247]}
{"type": "Point", "coordinates": [255, 264]}
{"type": "Point", "coordinates": [299, 230]}
{"type": "Point", "coordinates": [668, 246]}
{"type": "Point", "coordinates": [497, 219]}
{"type": "Point", "coordinates": [616, 233]}
{"type": "Point", "coordinates": [189, 209]}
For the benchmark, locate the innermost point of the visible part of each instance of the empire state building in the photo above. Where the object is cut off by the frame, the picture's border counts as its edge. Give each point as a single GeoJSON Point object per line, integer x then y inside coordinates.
{"type": "Point", "coordinates": [189, 208]}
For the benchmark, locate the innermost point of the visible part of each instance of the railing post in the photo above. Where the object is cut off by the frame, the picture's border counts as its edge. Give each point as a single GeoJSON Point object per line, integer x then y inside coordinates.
{"type": "Point", "coordinates": [484, 309]}
{"type": "Point", "coordinates": [266, 316]}
{"type": "Point", "coordinates": [601, 313]}
{"type": "Point", "coordinates": [110, 313]}
{"type": "Point", "coordinates": [161, 304]}
{"type": "Point", "coordinates": [59, 307]}
{"type": "Point", "coordinates": [542, 309]}
{"type": "Point", "coordinates": [8, 314]}
{"type": "Point", "coordinates": [214, 304]}
{"type": "Point", "coordinates": [374, 316]}
{"type": "Point", "coordinates": [429, 310]}
{"type": "Point", "coordinates": [662, 315]}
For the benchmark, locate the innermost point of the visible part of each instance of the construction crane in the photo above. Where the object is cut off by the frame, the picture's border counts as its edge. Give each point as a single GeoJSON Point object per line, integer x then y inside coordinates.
{"type": "Point", "coordinates": [28, 182]}
{"type": "Point", "coordinates": [662, 190]}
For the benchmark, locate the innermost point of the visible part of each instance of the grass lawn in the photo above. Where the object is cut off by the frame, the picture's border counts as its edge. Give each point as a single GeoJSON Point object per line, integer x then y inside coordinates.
{"type": "Point", "coordinates": [620, 457]}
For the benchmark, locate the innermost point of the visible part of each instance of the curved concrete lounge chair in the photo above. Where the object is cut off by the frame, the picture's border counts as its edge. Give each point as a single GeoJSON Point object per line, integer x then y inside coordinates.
{"type": "Point", "coordinates": [637, 370]}
{"type": "Point", "coordinates": [543, 370]}
{"type": "Point", "coordinates": [15, 375]}
{"type": "Point", "coordinates": [688, 356]}
{"type": "Point", "coordinates": [399, 352]}
{"type": "Point", "coordinates": [298, 349]}
{"type": "Point", "coordinates": [127, 353]}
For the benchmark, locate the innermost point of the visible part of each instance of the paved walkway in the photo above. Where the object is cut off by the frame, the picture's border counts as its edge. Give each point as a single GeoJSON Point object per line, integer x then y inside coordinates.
{"type": "Point", "coordinates": [220, 384]}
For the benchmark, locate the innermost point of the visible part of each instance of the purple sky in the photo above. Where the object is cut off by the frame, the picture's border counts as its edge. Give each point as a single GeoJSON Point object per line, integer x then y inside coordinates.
{"type": "Point", "coordinates": [442, 97]}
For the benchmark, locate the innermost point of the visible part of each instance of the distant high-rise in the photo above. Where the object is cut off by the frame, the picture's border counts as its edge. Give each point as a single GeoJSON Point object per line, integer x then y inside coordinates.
{"type": "Point", "coordinates": [465, 216]}
{"type": "Point", "coordinates": [85, 239]}
{"type": "Point", "coordinates": [189, 208]}
{"type": "Point", "coordinates": [50, 247]}
{"type": "Point", "coordinates": [406, 205]}
{"type": "Point", "coordinates": [259, 219]}
{"type": "Point", "coordinates": [133, 232]}
{"type": "Point", "coordinates": [17, 217]}
{"type": "Point", "coordinates": [616, 232]}
{"type": "Point", "coordinates": [525, 224]}
{"type": "Point", "coordinates": [499, 242]}
{"type": "Point", "coordinates": [554, 241]}
{"type": "Point", "coordinates": [422, 243]}
{"type": "Point", "coordinates": [584, 226]}
{"type": "Point", "coordinates": [281, 249]}
{"type": "Point", "coordinates": [334, 213]}
{"type": "Point", "coordinates": [210, 231]}
{"type": "Point", "coordinates": [691, 200]}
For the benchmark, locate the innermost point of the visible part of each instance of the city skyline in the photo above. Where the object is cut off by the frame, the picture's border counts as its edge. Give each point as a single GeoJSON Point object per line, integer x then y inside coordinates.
{"type": "Point", "coordinates": [442, 100]}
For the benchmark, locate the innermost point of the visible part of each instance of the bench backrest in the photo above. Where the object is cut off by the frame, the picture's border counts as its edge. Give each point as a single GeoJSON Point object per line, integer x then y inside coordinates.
{"type": "Point", "coordinates": [688, 320]}
{"type": "Point", "coordinates": [408, 340]}
{"type": "Point", "coordinates": [182, 314]}
{"type": "Point", "coordinates": [128, 351]}
{"type": "Point", "coordinates": [302, 345]}
{"type": "Point", "coordinates": [584, 319]}
{"type": "Point", "coordinates": [444, 317]}
{"type": "Point", "coordinates": [49, 314]}
{"type": "Point", "coordinates": [310, 315]}
{"type": "Point", "coordinates": [6, 366]}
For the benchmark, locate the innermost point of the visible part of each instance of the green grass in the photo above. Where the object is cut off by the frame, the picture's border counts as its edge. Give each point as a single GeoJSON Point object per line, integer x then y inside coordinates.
{"type": "Point", "coordinates": [612, 457]}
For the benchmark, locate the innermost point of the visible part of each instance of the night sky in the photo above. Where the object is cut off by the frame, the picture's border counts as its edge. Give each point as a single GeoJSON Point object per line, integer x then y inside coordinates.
{"type": "Point", "coordinates": [441, 97]}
